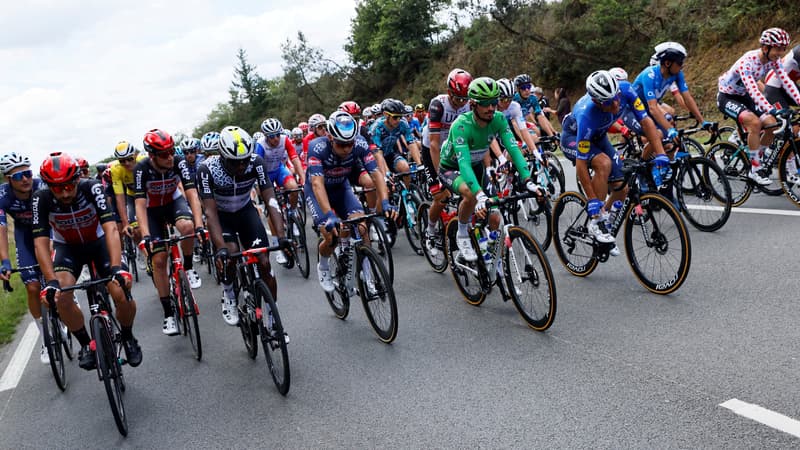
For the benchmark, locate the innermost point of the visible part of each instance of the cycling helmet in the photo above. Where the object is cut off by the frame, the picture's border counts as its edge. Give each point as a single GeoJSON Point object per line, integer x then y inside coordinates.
{"type": "Point", "coordinates": [83, 164]}
{"type": "Point", "coordinates": [297, 133]}
{"type": "Point", "coordinates": [367, 114]}
{"type": "Point", "coordinates": [59, 168]}
{"type": "Point", "coordinates": [483, 88]}
{"type": "Point", "coordinates": [654, 60]}
{"type": "Point", "coordinates": [670, 51]}
{"type": "Point", "coordinates": [342, 127]}
{"type": "Point", "coordinates": [100, 167]}
{"type": "Point", "coordinates": [157, 140]}
{"type": "Point", "coordinates": [235, 143]}
{"type": "Point", "coordinates": [350, 107]}
{"type": "Point", "coordinates": [774, 37]}
{"type": "Point", "coordinates": [408, 109]}
{"type": "Point", "coordinates": [392, 106]}
{"type": "Point", "coordinates": [602, 86]}
{"type": "Point", "coordinates": [12, 160]}
{"type": "Point", "coordinates": [210, 142]}
{"type": "Point", "coordinates": [419, 107]}
{"type": "Point", "coordinates": [618, 73]}
{"type": "Point", "coordinates": [105, 176]}
{"type": "Point", "coordinates": [506, 88]}
{"type": "Point", "coordinates": [257, 136]}
{"type": "Point", "coordinates": [458, 82]}
{"type": "Point", "coordinates": [124, 149]}
{"type": "Point", "coordinates": [178, 150]}
{"type": "Point", "coordinates": [303, 127]}
{"type": "Point", "coordinates": [315, 120]}
{"type": "Point", "coordinates": [271, 126]}
{"type": "Point", "coordinates": [521, 79]}
{"type": "Point", "coordinates": [191, 144]}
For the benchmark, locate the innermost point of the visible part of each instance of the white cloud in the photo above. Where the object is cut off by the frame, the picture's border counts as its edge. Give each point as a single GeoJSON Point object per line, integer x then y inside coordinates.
{"type": "Point", "coordinates": [79, 76]}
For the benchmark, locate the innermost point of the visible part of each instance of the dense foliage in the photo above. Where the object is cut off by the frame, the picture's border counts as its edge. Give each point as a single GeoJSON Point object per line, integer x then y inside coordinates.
{"type": "Point", "coordinates": [404, 49]}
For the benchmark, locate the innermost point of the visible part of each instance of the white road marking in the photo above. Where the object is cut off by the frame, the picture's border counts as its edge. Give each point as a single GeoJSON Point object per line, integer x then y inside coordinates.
{"type": "Point", "coordinates": [773, 212]}
{"type": "Point", "coordinates": [19, 360]}
{"type": "Point", "coordinates": [763, 415]}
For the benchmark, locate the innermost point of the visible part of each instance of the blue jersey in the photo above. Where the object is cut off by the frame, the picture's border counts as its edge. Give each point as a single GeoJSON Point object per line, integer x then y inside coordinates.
{"type": "Point", "coordinates": [193, 168]}
{"type": "Point", "coordinates": [528, 105]}
{"type": "Point", "coordinates": [650, 85]}
{"type": "Point", "coordinates": [18, 209]}
{"type": "Point", "coordinates": [386, 139]}
{"type": "Point", "coordinates": [322, 161]}
{"type": "Point", "coordinates": [415, 125]}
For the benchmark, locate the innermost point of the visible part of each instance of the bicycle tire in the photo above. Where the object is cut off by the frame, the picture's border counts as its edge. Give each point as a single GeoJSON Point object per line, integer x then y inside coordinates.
{"type": "Point", "coordinates": [789, 173]}
{"type": "Point", "coordinates": [247, 322]}
{"type": "Point", "coordinates": [53, 343]}
{"type": "Point", "coordinates": [464, 273]}
{"type": "Point", "coordinates": [736, 167]}
{"type": "Point", "coordinates": [189, 312]}
{"type": "Point", "coordinates": [692, 147]}
{"type": "Point", "coordinates": [659, 227]}
{"type": "Point", "coordinates": [382, 247]}
{"type": "Point", "coordinates": [438, 262]}
{"type": "Point", "coordinates": [130, 254]}
{"type": "Point", "coordinates": [703, 193]}
{"type": "Point", "coordinates": [297, 233]}
{"type": "Point", "coordinates": [556, 172]}
{"type": "Point", "coordinates": [301, 207]}
{"type": "Point", "coordinates": [273, 338]}
{"type": "Point", "coordinates": [339, 299]}
{"type": "Point", "coordinates": [538, 308]}
{"type": "Point", "coordinates": [110, 371]}
{"type": "Point", "coordinates": [570, 232]}
{"type": "Point", "coordinates": [413, 236]}
{"type": "Point", "coordinates": [537, 219]}
{"type": "Point", "coordinates": [376, 300]}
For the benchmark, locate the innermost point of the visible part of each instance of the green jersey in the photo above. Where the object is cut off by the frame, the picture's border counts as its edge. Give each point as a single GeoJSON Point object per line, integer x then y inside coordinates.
{"type": "Point", "coordinates": [467, 144]}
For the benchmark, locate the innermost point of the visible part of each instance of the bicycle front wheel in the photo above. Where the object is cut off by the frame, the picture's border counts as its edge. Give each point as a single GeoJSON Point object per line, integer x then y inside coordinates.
{"type": "Point", "coordinates": [109, 370]}
{"type": "Point", "coordinates": [736, 167]}
{"type": "Point", "coordinates": [247, 322]}
{"type": "Point", "coordinates": [465, 273]}
{"type": "Point", "coordinates": [339, 299]}
{"type": "Point", "coordinates": [704, 194]}
{"type": "Point", "coordinates": [434, 250]}
{"type": "Point", "coordinates": [273, 337]}
{"type": "Point", "coordinates": [53, 341]}
{"type": "Point", "coordinates": [413, 235]}
{"type": "Point", "coordinates": [789, 168]}
{"type": "Point", "coordinates": [657, 244]}
{"type": "Point", "coordinates": [536, 218]}
{"type": "Point", "coordinates": [380, 243]}
{"type": "Point", "coordinates": [377, 294]}
{"type": "Point", "coordinates": [189, 312]}
{"type": "Point", "coordinates": [297, 232]}
{"type": "Point", "coordinates": [530, 280]}
{"type": "Point", "coordinates": [574, 245]}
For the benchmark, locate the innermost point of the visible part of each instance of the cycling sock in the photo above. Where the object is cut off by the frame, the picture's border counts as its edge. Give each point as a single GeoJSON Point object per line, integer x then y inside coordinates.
{"type": "Point", "coordinates": [126, 333]}
{"type": "Point", "coordinates": [323, 263]}
{"type": "Point", "coordinates": [40, 326]}
{"type": "Point", "coordinates": [463, 229]}
{"type": "Point", "coordinates": [187, 262]}
{"type": "Point", "coordinates": [82, 336]}
{"type": "Point", "coordinates": [432, 227]}
{"type": "Point", "coordinates": [167, 305]}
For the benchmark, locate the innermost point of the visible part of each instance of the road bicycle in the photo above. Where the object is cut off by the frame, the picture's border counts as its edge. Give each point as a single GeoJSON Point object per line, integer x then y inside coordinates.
{"type": "Point", "coordinates": [434, 251]}
{"type": "Point", "coordinates": [378, 234]}
{"type": "Point", "coordinates": [407, 199]}
{"type": "Point", "coordinates": [657, 243]}
{"type": "Point", "coordinates": [355, 264]}
{"type": "Point", "coordinates": [510, 259]}
{"type": "Point", "coordinates": [258, 314]}
{"type": "Point", "coordinates": [536, 211]}
{"type": "Point", "coordinates": [129, 250]}
{"type": "Point", "coordinates": [294, 225]}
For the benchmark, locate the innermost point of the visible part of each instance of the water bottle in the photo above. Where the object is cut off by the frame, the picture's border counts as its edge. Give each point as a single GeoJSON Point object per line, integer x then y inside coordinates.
{"type": "Point", "coordinates": [612, 215]}
{"type": "Point", "coordinates": [483, 244]}
{"type": "Point", "coordinates": [657, 176]}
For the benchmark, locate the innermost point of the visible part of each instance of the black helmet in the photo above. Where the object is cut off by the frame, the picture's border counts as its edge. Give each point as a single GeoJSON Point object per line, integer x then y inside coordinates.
{"type": "Point", "coordinates": [521, 79]}
{"type": "Point", "coordinates": [393, 106]}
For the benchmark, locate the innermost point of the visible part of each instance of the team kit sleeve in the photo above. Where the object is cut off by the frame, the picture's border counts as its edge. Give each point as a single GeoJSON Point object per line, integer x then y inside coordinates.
{"type": "Point", "coordinates": [681, 82]}
{"type": "Point", "coordinates": [634, 103]}
{"type": "Point", "coordinates": [365, 155]}
{"type": "Point", "coordinates": [788, 85]}
{"type": "Point", "coordinates": [40, 213]}
{"type": "Point", "coordinates": [500, 124]}
{"type": "Point", "coordinates": [182, 167]}
{"type": "Point", "coordinates": [262, 177]}
{"type": "Point", "coordinates": [315, 158]}
{"type": "Point", "coordinates": [745, 70]}
{"type": "Point", "coordinates": [94, 190]}
{"type": "Point", "coordinates": [139, 181]}
{"type": "Point", "coordinates": [204, 177]}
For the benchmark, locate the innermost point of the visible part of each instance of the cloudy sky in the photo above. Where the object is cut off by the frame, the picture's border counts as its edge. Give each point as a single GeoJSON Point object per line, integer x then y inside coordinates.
{"type": "Point", "coordinates": [80, 75]}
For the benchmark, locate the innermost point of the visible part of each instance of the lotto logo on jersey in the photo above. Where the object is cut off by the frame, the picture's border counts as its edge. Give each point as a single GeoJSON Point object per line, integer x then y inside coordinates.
{"type": "Point", "coordinates": [583, 147]}
{"type": "Point", "coordinates": [638, 105]}
{"type": "Point", "coordinates": [314, 161]}
{"type": "Point", "coordinates": [369, 157]}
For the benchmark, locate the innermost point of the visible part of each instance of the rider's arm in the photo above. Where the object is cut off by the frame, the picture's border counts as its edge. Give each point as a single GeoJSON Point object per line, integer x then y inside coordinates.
{"type": "Point", "coordinates": [122, 209]}
{"type": "Point", "coordinates": [321, 194]}
{"type": "Point", "coordinates": [4, 247]}
{"type": "Point", "coordinates": [295, 160]}
{"type": "Point", "coordinates": [788, 85]}
{"type": "Point", "coordinates": [41, 234]}
{"type": "Point", "coordinates": [267, 192]}
{"type": "Point", "coordinates": [507, 138]}
{"type": "Point", "coordinates": [140, 198]}
{"type": "Point", "coordinates": [544, 123]}
{"type": "Point", "coordinates": [189, 183]}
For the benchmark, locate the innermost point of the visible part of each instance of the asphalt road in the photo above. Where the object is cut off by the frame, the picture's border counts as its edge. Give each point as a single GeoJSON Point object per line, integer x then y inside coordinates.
{"type": "Point", "coordinates": [620, 367]}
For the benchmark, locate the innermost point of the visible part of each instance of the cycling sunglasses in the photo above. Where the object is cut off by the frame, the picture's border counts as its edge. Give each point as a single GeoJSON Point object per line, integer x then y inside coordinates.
{"type": "Point", "coordinates": [273, 135]}
{"type": "Point", "coordinates": [65, 187]}
{"type": "Point", "coordinates": [128, 159]}
{"type": "Point", "coordinates": [189, 151]}
{"type": "Point", "coordinates": [395, 116]}
{"type": "Point", "coordinates": [492, 102]}
{"type": "Point", "coordinates": [610, 101]}
{"type": "Point", "coordinates": [19, 176]}
{"type": "Point", "coordinates": [525, 87]}
{"type": "Point", "coordinates": [165, 154]}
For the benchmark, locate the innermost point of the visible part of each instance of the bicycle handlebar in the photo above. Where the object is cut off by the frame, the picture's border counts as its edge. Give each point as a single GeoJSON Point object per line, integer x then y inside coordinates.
{"type": "Point", "coordinates": [7, 284]}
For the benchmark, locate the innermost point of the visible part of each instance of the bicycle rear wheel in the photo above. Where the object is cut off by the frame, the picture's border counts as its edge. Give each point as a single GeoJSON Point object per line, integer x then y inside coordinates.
{"type": "Point", "coordinates": [377, 294]}
{"type": "Point", "coordinates": [574, 245]}
{"type": "Point", "coordinates": [247, 322]}
{"type": "Point", "coordinates": [692, 147]}
{"type": "Point", "coordinates": [657, 244]}
{"type": "Point", "coordinates": [110, 371]}
{"type": "Point", "coordinates": [555, 171]}
{"type": "Point", "coordinates": [437, 261]}
{"type": "Point", "coordinates": [413, 236]}
{"type": "Point", "coordinates": [297, 233]}
{"type": "Point", "coordinates": [188, 315]}
{"type": "Point", "coordinates": [130, 253]}
{"type": "Point", "coordinates": [380, 243]}
{"type": "Point", "coordinates": [465, 273]}
{"type": "Point", "coordinates": [273, 337]}
{"type": "Point", "coordinates": [736, 167]}
{"type": "Point", "coordinates": [53, 341]}
{"type": "Point", "coordinates": [789, 172]}
{"type": "Point", "coordinates": [339, 299]}
{"type": "Point", "coordinates": [704, 194]}
{"type": "Point", "coordinates": [537, 219]}
{"type": "Point", "coordinates": [530, 280]}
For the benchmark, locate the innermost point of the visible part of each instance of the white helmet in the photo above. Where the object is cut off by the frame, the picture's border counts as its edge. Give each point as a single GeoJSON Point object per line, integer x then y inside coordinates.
{"type": "Point", "coordinates": [210, 142]}
{"type": "Point", "coordinates": [271, 126]}
{"type": "Point", "coordinates": [297, 133]}
{"type": "Point", "coordinates": [257, 136]}
{"type": "Point", "coordinates": [670, 51]}
{"type": "Point", "coordinates": [602, 86]}
{"type": "Point", "coordinates": [654, 60]}
{"type": "Point", "coordinates": [506, 88]}
{"type": "Point", "coordinates": [12, 160]}
{"type": "Point", "coordinates": [235, 143]}
{"type": "Point", "coordinates": [124, 150]}
{"type": "Point", "coordinates": [342, 127]}
{"type": "Point", "coordinates": [315, 120]}
{"type": "Point", "coordinates": [618, 73]}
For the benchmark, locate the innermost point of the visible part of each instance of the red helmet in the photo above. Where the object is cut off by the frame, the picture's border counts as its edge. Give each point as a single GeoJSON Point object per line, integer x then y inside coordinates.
{"type": "Point", "coordinates": [59, 168]}
{"type": "Point", "coordinates": [157, 140]}
{"type": "Point", "coordinates": [106, 177]}
{"type": "Point", "coordinates": [83, 163]}
{"type": "Point", "coordinates": [350, 107]}
{"type": "Point", "coordinates": [458, 82]}
{"type": "Point", "coordinates": [303, 126]}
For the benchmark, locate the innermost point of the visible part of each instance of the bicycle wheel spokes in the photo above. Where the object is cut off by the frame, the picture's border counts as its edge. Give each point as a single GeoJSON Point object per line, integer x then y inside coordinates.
{"type": "Point", "coordinates": [377, 294]}
{"type": "Point", "coordinates": [191, 327]}
{"type": "Point", "coordinates": [704, 194]}
{"type": "Point", "coordinates": [53, 341]}
{"type": "Point", "coordinates": [537, 218]}
{"type": "Point", "coordinates": [110, 371]}
{"type": "Point", "coordinates": [574, 245]}
{"type": "Point", "coordinates": [247, 322]}
{"type": "Point", "coordinates": [273, 338]}
{"type": "Point", "coordinates": [380, 243]}
{"type": "Point", "coordinates": [657, 245]}
{"type": "Point", "coordinates": [438, 257]}
{"type": "Point", "coordinates": [789, 170]}
{"type": "Point", "coordinates": [530, 280]}
{"type": "Point", "coordinates": [465, 273]}
{"type": "Point", "coordinates": [413, 235]}
{"type": "Point", "coordinates": [736, 167]}
{"type": "Point", "coordinates": [339, 299]}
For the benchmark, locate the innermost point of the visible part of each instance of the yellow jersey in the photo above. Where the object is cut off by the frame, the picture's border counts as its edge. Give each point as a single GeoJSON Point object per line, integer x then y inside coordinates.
{"type": "Point", "coordinates": [122, 178]}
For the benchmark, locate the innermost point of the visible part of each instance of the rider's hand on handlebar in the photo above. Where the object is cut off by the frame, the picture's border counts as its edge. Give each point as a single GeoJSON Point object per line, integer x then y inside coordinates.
{"type": "Point", "coordinates": [480, 207]}
{"type": "Point", "coordinates": [332, 221]}
{"type": "Point", "coordinates": [49, 291]}
{"type": "Point", "coordinates": [389, 210]}
{"type": "Point", "coordinates": [5, 269]}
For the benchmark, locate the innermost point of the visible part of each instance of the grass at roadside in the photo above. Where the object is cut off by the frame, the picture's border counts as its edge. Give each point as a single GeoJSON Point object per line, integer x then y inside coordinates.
{"type": "Point", "coordinates": [13, 306]}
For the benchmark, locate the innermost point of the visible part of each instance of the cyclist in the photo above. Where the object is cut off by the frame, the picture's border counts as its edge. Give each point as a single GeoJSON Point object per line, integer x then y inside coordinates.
{"type": "Point", "coordinates": [15, 201]}
{"type": "Point", "coordinates": [75, 213]}
{"type": "Point", "coordinates": [316, 128]}
{"type": "Point", "coordinates": [513, 113]}
{"type": "Point", "coordinates": [465, 152]}
{"type": "Point", "coordinates": [442, 111]}
{"type": "Point", "coordinates": [225, 184]}
{"type": "Point", "coordinates": [297, 141]}
{"type": "Point", "coordinates": [390, 133]}
{"type": "Point", "coordinates": [584, 141]}
{"type": "Point", "coordinates": [328, 193]}
{"type": "Point", "coordinates": [159, 202]}
{"type": "Point", "coordinates": [121, 173]}
{"type": "Point", "coordinates": [740, 98]}
{"type": "Point", "coordinates": [530, 104]}
{"type": "Point", "coordinates": [421, 115]}
{"type": "Point", "coordinates": [209, 143]}
{"type": "Point", "coordinates": [83, 165]}
{"type": "Point", "coordinates": [193, 154]}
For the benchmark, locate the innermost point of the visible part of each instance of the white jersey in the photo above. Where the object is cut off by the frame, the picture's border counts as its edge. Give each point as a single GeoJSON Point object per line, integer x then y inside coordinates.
{"type": "Point", "coordinates": [791, 67]}
{"type": "Point", "coordinates": [274, 157]}
{"type": "Point", "coordinates": [514, 112]}
{"type": "Point", "coordinates": [742, 79]}
{"type": "Point", "coordinates": [441, 114]}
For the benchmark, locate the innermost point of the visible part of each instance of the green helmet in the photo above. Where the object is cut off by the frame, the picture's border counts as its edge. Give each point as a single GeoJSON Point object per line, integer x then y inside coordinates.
{"type": "Point", "coordinates": [483, 88]}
